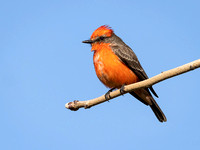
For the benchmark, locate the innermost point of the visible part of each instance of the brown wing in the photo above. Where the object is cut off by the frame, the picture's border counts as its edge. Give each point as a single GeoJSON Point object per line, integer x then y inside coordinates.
{"type": "Point", "coordinates": [129, 58]}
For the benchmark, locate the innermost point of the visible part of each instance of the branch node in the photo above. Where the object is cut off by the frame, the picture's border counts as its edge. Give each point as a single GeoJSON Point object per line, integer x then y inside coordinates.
{"type": "Point", "coordinates": [86, 106]}
{"type": "Point", "coordinates": [192, 67]}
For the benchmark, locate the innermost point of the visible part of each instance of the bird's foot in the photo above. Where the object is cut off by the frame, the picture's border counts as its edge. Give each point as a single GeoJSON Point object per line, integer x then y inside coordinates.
{"type": "Point", "coordinates": [107, 95]}
{"type": "Point", "coordinates": [122, 89]}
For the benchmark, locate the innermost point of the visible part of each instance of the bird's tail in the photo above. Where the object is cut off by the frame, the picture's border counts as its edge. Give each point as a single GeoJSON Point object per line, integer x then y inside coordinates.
{"type": "Point", "coordinates": [145, 97]}
{"type": "Point", "coordinates": [157, 111]}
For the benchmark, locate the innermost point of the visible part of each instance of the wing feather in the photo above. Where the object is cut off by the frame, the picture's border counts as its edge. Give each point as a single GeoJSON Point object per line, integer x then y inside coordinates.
{"type": "Point", "coordinates": [128, 57]}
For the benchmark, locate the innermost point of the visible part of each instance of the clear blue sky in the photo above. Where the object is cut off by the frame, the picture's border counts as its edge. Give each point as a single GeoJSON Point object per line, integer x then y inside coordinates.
{"type": "Point", "coordinates": [44, 65]}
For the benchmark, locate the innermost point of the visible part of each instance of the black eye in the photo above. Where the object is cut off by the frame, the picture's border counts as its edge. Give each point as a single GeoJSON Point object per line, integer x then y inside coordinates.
{"type": "Point", "coordinates": [102, 38]}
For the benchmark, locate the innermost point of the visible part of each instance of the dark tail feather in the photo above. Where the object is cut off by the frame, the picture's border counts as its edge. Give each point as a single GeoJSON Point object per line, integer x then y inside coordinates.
{"type": "Point", "coordinates": [152, 103]}
{"type": "Point", "coordinates": [157, 111]}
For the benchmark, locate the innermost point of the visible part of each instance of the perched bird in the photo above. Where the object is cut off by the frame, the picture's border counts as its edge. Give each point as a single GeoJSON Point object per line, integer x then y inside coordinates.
{"type": "Point", "coordinates": [117, 65]}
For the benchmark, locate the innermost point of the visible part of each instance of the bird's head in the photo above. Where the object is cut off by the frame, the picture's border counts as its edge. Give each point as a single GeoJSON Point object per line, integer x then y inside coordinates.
{"type": "Point", "coordinates": [100, 34]}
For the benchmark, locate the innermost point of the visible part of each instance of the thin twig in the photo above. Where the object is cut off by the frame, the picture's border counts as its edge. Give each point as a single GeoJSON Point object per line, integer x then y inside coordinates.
{"type": "Point", "coordinates": [75, 105]}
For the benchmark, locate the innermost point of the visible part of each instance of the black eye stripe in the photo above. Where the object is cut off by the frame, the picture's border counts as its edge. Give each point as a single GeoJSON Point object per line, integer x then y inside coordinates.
{"type": "Point", "coordinates": [100, 38]}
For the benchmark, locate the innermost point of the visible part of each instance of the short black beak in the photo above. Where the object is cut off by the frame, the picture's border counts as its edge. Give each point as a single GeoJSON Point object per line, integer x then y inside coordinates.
{"type": "Point", "coordinates": [87, 41]}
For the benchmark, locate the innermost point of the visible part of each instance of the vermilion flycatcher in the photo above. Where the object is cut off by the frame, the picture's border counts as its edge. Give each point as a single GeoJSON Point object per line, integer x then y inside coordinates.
{"type": "Point", "coordinates": [117, 65]}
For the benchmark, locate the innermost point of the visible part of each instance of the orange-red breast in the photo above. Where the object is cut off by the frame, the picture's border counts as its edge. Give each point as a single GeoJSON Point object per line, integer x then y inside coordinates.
{"type": "Point", "coordinates": [117, 65]}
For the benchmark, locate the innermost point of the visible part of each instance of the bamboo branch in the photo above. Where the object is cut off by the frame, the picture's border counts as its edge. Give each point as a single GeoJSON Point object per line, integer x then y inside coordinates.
{"type": "Point", "coordinates": [75, 105]}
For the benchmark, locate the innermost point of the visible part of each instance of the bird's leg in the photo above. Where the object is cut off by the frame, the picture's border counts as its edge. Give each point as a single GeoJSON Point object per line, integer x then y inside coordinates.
{"type": "Point", "coordinates": [122, 89]}
{"type": "Point", "coordinates": [107, 95]}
